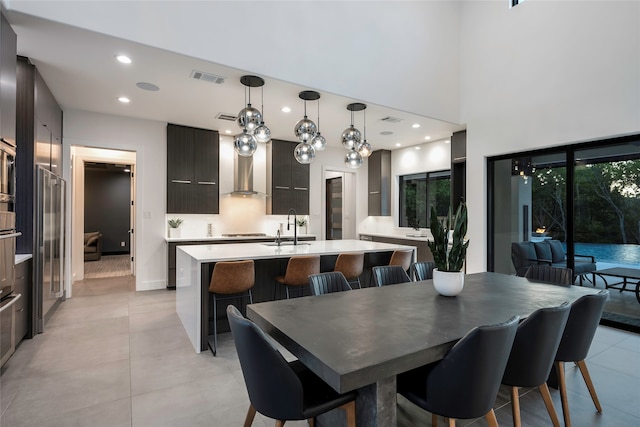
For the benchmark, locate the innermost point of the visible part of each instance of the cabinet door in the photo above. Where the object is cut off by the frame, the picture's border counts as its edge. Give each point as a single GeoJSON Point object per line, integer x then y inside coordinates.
{"type": "Point", "coordinates": [206, 167]}
{"type": "Point", "coordinates": [281, 164]}
{"type": "Point", "coordinates": [379, 178]}
{"type": "Point", "coordinates": [43, 145]}
{"type": "Point", "coordinates": [23, 287]}
{"type": "Point", "coordinates": [180, 154]}
{"type": "Point", "coordinates": [8, 64]}
{"type": "Point", "coordinates": [300, 183]}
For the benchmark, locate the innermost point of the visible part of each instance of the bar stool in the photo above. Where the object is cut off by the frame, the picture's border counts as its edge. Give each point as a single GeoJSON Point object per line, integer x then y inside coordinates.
{"type": "Point", "coordinates": [230, 278]}
{"type": "Point", "coordinates": [299, 268]}
{"type": "Point", "coordinates": [351, 266]}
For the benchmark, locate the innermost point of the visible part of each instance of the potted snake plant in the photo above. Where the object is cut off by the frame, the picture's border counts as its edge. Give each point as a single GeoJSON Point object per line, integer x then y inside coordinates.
{"type": "Point", "coordinates": [174, 224]}
{"type": "Point", "coordinates": [449, 250]}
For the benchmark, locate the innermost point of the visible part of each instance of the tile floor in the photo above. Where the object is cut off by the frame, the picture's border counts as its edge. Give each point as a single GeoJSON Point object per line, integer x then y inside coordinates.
{"type": "Point", "coordinates": [114, 357]}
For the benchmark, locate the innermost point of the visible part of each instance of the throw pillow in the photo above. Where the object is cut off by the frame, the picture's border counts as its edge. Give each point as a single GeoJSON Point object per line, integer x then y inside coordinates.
{"type": "Point", "coordinates": [543, 251]}
{"type": "Point", "coordinates": [557, 251]}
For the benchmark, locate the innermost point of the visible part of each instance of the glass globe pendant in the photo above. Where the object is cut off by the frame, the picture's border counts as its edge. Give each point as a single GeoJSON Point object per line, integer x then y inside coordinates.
{"type": "Point", "coordinates": [249, 118]}
{"type": "Point", "coordinates": [319, 142]}
{"type": "Point", "coordinates": [305, 129]}
{"type": "Point", "coordinates": [364, 148]}
{"type": "Point", "coordinates": [262, 133]}
{"type": "Point", "coordinates": [304, 153]}
{"type": "Point", "coordinates": [245, 144]}
{"type": "Point", "coordinates": [351, 138]}
{"type": "Point", "coordinates": [353, 160]}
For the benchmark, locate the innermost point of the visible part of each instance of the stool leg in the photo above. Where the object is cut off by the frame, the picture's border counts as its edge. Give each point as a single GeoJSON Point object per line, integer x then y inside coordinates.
{"type": "Point", "coordinates": [215, 325]}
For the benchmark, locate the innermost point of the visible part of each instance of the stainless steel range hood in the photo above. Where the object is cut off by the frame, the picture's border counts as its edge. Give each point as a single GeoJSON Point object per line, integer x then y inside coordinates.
{"type": "Point", "coordinates": [243, 177]}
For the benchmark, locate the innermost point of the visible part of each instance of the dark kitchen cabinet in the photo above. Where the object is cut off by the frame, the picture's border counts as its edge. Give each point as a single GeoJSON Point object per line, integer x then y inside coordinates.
{"type": "Point", "coordinates": [287, 180]}
{"type": "Point", "coordinates": [458, 167]}
{"type": "Point", "coordinates": [39, 143]}
{"type": "Point", "coordinates": [379, 165]}
{"type": "Point", "coordinates": [22, 286]}
{"type": "Point", "coordinates": [193, 159]}
{"type": "Point", "coordinates": [7, 82]}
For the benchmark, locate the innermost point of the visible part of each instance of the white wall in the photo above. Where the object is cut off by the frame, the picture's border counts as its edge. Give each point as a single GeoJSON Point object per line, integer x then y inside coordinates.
{"type": "Point", "coordinates": [148, 140]}
{"type": "Point", "coordinates": [541, 74]}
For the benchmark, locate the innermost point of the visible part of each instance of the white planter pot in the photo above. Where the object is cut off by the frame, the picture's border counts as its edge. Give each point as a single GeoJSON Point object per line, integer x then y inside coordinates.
{"type": "Point", "coordinates": [174, 233]}
{"type": "Point", "coordinates": [448, 283]}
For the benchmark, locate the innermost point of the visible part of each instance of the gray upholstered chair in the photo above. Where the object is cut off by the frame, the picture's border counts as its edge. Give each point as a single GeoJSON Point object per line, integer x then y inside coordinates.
{"type": "Point", "coordinates": [92, 246]}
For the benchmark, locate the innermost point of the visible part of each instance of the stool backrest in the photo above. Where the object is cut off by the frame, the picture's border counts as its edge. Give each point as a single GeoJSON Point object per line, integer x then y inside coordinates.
{"type": "Point", "coordinates": [230, 277]}
{"type": "Point", "coordinates": [299, 268]}
{"type": "Point", "coordinates": [351, 265]}
{"type": "Point", "coordinates": [402, 257]}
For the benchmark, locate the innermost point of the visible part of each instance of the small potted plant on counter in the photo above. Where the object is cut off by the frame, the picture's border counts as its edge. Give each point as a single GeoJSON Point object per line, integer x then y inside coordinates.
{"type": "Point", "coordinates": [174, 224]}
{"type": "Point", "coordinates": [449, 250]}
{"type": "Point", "coordinates": [302, 222]}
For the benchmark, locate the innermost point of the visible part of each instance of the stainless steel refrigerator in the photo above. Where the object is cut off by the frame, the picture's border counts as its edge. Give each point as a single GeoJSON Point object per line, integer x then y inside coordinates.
{"type": "Point", "coordinates": [50, 253]}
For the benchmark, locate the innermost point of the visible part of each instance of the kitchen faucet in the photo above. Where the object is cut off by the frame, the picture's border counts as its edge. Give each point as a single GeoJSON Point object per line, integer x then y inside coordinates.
{"type": "Point", "coordinates": [295, 225]}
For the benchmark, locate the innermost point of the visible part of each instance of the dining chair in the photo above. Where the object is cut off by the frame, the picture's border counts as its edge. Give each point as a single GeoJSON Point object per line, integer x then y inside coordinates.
{"type": "Point", "coordinates": [422, 270]}
{"type": "Point", "coordinates": [299, 268]}
{"type": "Point", "coordinates": [532, 354]}
{"type": "Point", "coordinates": [578, 334]}
{"type": "Point", "coordinates": [279, 389]}
{"type": "Point", "coordinates": [548, 274]}
{"type": "Point", "coordinates": [232, 279]}
{"type": "Point", "coordinates": [465, 383]}
{"type": "Point", "coordinates": [400, 257]}
{"type": "Point", "coordinates": [389, 275]}
{"type": "Point", "coordinates": [326, 283]}
{"type": "Point", "coordinates": [351, 266]}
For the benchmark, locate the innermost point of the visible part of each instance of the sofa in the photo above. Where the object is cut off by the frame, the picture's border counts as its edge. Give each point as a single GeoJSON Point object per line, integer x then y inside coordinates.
{"type": "Point", "coordinates": [549, 252]}
{"type": "Point", "coordinates": [92, 246]}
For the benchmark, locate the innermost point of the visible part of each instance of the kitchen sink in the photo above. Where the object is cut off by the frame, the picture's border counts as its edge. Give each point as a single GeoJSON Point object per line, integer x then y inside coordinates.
{"type": "Point", "coordinates": [285, 244]}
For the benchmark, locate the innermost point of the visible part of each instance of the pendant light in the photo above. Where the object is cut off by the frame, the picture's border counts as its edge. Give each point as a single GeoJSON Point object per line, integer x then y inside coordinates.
{"type": "Point", "coordinates": [249, 119]}
{"type": "Point", "coordinates": [304, 153]}
{"type": "Point", "coordinates": [306, 129]}
{"type": "Point", "coordinates": [319, 142]}
{"type": "Point", "coordinates": [262, 132]}
{"type": "Point", "coordinates": [364, 148]}
{"type": "Point", "coordinates": [351, 136]}
{"type": "Point", "coordinates": [353, 160]}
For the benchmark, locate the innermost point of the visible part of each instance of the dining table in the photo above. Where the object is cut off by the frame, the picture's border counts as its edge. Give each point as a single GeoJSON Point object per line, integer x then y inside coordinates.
{"type": "Point", "coordinates": [361, 339]}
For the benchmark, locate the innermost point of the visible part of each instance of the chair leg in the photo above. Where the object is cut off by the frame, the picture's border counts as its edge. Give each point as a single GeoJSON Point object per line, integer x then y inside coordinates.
{"type": "Point", "coordinates": [359, 284]}
{"type": "Point", "coordinates": [491, 418]}
{"type": "Point", "coordinates": [562, 386]}
{"type": "Point", "coordinates": [280, 423]}
{"type": "Point", "coordinates": [311, 422]}
{"type": "Point", "coordinates": [515, 406]}
{"type": "Point", "coordinates": [215, 326]}
{"type": "Point", "coordinates": [287, 289]}
{"type": "Point", "coordinates": [452, 422]}
{"type": "Point", "coordinates": [546, 396]}
{"type": "Point", "coordinates": [251, 414]}
{"type": "Point", "coordinates": [350, 412]}
{"type": "Point", "coordinates": [587, 379]}
{"type": "Point", "coordinates": [434, 420]}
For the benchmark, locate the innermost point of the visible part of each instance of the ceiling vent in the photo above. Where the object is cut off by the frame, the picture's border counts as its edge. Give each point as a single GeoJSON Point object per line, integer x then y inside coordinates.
{"type": "Point", "coordinates": [390, 119]}
{"type": "Point", "coordinates": [207, 77]}
{"type": "Point", "coordinates": [226, 116]}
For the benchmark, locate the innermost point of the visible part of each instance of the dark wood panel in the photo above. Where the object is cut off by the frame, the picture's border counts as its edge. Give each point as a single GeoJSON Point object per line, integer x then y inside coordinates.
{"type": "Point", "coordinates": [379, 180]}
{"type": "Point", "coordinates": [206, 156]}
{"type": "Point", "coordinates": [289, 180]}
{"type": "Point", "coordinates": [180, 153]}
{"type": "Point", "coordinates": [23, 285]}
{"type": "Point", "coordinates": [7, 81]}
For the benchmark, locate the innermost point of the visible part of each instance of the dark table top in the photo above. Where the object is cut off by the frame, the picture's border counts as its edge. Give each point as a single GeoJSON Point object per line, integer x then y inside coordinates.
{"type": "Point", "coordinates": [356, 338]}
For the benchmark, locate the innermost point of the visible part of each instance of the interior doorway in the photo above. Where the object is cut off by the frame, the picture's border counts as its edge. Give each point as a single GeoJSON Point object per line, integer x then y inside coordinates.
{"type": "Point", "coordinates": [117, 251]}
{"type": "Point", "coordinates": [339, 213]}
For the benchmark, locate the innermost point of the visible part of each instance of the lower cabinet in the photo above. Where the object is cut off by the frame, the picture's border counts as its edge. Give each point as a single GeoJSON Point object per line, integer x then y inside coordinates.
{"type": "Point", "coordinates": [22, 286]}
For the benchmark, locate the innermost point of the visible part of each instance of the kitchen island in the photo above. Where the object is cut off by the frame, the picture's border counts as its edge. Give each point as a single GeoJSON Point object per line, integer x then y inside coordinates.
{"type": "Point", "coordinates": [195, 264]}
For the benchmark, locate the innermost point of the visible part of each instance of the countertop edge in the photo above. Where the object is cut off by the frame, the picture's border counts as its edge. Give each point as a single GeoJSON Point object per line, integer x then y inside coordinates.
{"type": "Point", "coordinates": [20, 258]}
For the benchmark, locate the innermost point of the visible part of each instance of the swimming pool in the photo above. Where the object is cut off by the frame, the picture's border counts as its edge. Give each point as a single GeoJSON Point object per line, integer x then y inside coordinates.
{"type": "Point", "coordinates": [612, 253]}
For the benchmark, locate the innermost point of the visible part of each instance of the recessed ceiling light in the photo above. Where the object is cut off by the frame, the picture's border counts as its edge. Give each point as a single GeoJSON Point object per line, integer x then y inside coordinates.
{"type": "Point", "coordinates": [398, 145]}
{"type": "Point", "coordinates": [286, 109]}
{"type": "Point", "coordinates": [124, 59]}
{"type": "Point", "coordinates": [447, 141]}
{"type": "Point", "coordinates": [148, 86]}
{"type": "Point", "coordinates": [227, 131]}
{"type": "Point", "coordinates": [124, 99]}
{"type": "Point", "coordinates": [427, 137]}
{"type": "Point", "coordinates": [417, 148]}
{"type": "Point", "coordinates": [127, 170]}
{"type": "Point", "coordinates": [415, 125]}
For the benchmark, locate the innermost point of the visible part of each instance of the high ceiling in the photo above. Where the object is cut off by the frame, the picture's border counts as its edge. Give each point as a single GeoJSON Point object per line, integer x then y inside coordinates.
{"type": "Point", "coordinates": [80, 68]}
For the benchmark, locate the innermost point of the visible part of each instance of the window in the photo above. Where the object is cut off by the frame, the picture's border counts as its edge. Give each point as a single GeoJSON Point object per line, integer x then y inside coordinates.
{"type": "Point", "coordinates": [420, 191]}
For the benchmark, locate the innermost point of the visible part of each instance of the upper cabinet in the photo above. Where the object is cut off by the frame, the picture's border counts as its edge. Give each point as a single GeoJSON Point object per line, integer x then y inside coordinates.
{"type": "Point", "coordinates": [193, 162]}
{"type": "Point", "coordinates": [287, 180]}
{"type": "Point", "coordinates": [380, 183]}
{"type": "Point", "coordinates": [7, 82]}
{"type": "Point", "coordinates": [458, 167]}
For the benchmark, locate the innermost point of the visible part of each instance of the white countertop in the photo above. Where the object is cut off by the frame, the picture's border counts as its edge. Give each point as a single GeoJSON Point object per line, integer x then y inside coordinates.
{"type": "Point", "coordinates": [22, 258]}
{"type": "Point", "coordinates": [228, 238]}
{"type": "Point", "coordinates": [242, 251]}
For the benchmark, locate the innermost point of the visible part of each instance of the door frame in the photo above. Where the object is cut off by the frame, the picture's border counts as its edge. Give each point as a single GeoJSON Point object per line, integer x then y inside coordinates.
{"type": "Point", "coordinates": [349, 202]}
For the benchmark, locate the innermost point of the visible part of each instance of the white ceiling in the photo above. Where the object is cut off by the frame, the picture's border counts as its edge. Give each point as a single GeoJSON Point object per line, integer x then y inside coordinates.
{"type": "Point", "coordinates": [79, 67]}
